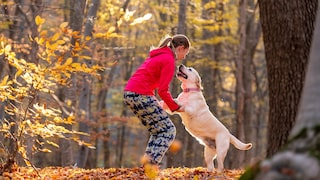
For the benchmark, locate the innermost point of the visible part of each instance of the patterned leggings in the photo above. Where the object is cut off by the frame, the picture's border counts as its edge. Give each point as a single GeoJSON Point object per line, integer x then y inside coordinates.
{"type": "Point", "coordinates": [155, 119]}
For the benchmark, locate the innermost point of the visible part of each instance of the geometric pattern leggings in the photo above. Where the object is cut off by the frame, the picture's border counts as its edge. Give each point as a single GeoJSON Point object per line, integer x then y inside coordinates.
{"type": "Point", "coordinates": [155, 119]}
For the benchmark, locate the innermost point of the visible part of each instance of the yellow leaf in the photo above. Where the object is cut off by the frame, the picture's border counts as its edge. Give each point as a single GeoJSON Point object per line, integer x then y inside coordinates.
{"type": "Point", "coordinates": [76, 65]}
{"type": "Point", "coordinates": [39, 20]}
{"type": "Point", "coordinates": [99, 35]}
{"type": "Point", "coordinates": [68, 62]}
{"type": "Point", "coordinates": [114, 35]}
{"type": "Point", "coordinates": [27, 161]}
{"type": "Point", "coordinates": [55, 37]}
{"type": "Point", "coordinates": [18, 73]}
{"type": "Point", "coordinates": [69, 120]}
{"type": "Point", "coordinates": [40, 41]}
{"type": "Point", "coordinates": [87, 38]}
{"type": "Point", "coordinates": [69, 102]}
{"type": "Point", "coordinates": [61, 42]}
{"type": "Point", "coordinates": [64, 25]}
{"type": "Point", "coordinates": [84, 66]}
{"type": "Point", "coordinates": [4, 81]}
{"type": "Point", "coordinates": [91, 147]}
{"type": "Point", "coordinates": [139, 20]}
{"type": "Point", "coordinates": [45, 150]}
{"type": "Point", "coordinates": [43, 33]}
{"type": "Point", "coordinates": [151, 171]}
{"type": "Point", "coordinates": [53, 144]}
{"type": "Point", "coordinates": [86, 57]}
{"type": "Point", "coordinates": [111, 29]}
{"type": "Point", "coordinates": [52, 46]}
{"type": "Point", "coordinates": [7, 48]}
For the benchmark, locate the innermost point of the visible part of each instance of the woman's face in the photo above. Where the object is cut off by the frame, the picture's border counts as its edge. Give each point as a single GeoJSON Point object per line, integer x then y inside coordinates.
{"type": "Point", "coordinates": [181, 52]}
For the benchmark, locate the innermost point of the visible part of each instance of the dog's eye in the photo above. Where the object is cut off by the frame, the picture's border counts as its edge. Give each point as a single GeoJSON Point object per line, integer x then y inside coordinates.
{"type": "Point", "coordinates": [190, 69]}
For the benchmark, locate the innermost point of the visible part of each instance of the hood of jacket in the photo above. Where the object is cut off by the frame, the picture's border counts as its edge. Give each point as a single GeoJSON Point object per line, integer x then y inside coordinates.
{"type": "Point", "coordinates": [158, 51]}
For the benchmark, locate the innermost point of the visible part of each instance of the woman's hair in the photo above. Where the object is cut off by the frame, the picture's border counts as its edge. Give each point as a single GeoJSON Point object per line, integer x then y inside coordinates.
{"type": "Point", "coordinates": [175, 41]}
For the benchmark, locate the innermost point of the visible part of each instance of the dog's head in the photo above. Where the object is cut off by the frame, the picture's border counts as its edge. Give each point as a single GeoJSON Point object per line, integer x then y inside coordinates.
{"type": "Point", "coordinates": [189, 77]}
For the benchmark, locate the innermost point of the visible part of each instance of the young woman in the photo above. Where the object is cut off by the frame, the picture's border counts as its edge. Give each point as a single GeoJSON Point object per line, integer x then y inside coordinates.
{"type": "Point", "coordinates": [156, 73]}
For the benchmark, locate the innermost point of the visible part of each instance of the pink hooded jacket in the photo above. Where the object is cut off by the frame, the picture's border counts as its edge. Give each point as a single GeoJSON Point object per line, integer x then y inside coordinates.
{"type": "Point", "coordinates": [156, 72]}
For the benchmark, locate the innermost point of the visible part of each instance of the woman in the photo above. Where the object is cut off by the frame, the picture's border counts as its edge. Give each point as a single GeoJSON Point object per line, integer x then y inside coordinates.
{"type": "Point", "coordinates": [156, 73]}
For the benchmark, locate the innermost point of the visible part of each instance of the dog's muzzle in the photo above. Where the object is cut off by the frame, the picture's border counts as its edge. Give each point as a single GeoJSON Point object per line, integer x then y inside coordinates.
{"type": "Point", "coordinates": [181, 73]}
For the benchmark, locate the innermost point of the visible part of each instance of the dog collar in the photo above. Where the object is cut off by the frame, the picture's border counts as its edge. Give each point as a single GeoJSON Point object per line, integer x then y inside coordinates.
{"type": "Point", "coordinates": [191, 89]}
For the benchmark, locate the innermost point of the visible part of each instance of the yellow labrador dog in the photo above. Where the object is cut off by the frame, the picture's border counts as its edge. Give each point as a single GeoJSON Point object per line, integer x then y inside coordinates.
{"type": "Point", "coordinates": [200, 122]}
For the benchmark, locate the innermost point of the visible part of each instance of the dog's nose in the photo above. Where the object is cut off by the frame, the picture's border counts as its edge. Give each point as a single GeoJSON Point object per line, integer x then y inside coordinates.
{"type": "Point", "coordinates": [181, 66]}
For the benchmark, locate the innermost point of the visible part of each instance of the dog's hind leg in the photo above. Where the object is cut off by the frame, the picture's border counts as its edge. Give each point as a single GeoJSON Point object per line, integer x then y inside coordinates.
{"type": "Point", "coordinates": [222, 150]}
{"type": "Point", "coordinates": [209, 155]}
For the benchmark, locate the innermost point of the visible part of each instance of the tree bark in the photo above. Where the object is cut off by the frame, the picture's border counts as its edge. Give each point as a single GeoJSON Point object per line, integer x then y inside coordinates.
{"type": "Point", "coordinates": [240, 89]}
{"type": "Point", "coordinates": [309, 108]}
{"type": "Point", "coordinates": [182, 17]}
{"type": "Point", "coordinates": [85, 86]}
{"type": "Point", "coordinates": [36, 10]}
{"type": "Point", "coordinates": [287, 32]}
{"type": "Point", "coordinates": [179, 158]}
{"type": "Point", "coordinates": [300, 157]}
{"type": "Point", "coordinates": [253, 34]}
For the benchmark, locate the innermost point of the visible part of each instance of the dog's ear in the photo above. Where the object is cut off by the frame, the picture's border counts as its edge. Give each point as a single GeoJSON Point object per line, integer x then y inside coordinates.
{"type": "Point", "coordinates": [199, 83]}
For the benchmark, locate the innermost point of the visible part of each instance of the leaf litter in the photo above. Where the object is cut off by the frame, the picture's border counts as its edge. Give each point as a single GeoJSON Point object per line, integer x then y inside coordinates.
{"type": "Point", "coordinates": [70, 173]}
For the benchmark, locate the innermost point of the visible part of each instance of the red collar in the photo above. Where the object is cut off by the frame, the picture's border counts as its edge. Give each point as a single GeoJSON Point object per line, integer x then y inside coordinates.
{"type": "Point", "coordinates": [191, 89]}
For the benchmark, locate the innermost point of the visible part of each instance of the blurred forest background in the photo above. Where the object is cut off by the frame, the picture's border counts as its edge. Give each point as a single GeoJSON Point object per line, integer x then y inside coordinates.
{"type": "Point", "coordinates": [112, 38]}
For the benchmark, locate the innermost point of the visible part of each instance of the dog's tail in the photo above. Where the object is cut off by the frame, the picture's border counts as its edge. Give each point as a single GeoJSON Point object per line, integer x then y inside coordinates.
{"type": "Point", "coordinates": [238, 144]}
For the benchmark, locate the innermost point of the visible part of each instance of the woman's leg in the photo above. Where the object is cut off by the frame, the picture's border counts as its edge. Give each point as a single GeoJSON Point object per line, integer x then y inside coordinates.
{"type": "Point", "coordinates": [155, 119]}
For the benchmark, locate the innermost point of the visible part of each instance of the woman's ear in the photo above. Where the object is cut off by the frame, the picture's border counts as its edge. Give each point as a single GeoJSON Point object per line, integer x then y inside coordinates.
{"type": "Point", "coordinates": [180, 48]}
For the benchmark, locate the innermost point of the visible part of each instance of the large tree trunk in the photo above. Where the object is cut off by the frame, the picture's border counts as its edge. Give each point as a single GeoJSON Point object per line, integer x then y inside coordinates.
{"type": "Point", "coordinates": [287, 32]}
{"type": "Point", "coordinates": [300, 160]}
{"type": "Point", "coordinates": [309, 108]}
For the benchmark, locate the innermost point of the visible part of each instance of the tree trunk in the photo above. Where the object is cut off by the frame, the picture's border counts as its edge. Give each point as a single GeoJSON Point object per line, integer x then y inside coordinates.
{"type": "Point", "coordinates": [66, 151]}
{"type": "Point", "coordinates": [309, 109]}
{"type": "Point", "coordinates": [240, 91]}
{"type": "Point", "coordinates": [261, 111]}
{"type": "Point", "coordinates": [85, 88]}
{"type": "Point", "coordinates": [287, 32]}
{"type": "Point", "coordinates": [182, 17]}
{"type": "Point", "coordinates": [253, 34]}
{"type": "Point", "coordinates": [36, 10]}
{"type": "Point", "coordinates": [76, 22]}
{"type": "Point", "coordinates": [188, 141]}
{"type": "Point", "coordinates": [101, 109]}
{"type": "Point", "coordinates": [179, 158]}
{"type": "Point", "coordinates": [300, 160]}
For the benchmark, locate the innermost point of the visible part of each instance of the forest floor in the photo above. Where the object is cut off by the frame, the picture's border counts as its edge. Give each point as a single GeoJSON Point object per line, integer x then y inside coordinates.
{"type": "Point", "coordinates": [69, 173]}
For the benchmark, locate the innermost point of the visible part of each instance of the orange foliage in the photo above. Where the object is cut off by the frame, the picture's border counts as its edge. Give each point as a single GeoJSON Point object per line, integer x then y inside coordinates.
{"type": "Point", "coordinates": [51, 173]}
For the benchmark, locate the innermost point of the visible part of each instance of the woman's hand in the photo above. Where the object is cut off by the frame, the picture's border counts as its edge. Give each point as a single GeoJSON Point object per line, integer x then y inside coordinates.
{"type": "Point", "coordinates": [181, 109]}
{"type": "Point", "coordinates": [163, 105]}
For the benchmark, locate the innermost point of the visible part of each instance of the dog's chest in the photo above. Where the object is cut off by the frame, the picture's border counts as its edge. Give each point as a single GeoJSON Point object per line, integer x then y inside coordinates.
{"type": "Point", "coordinates": [183, 98]}
{"type": "Point", "coordinates": [190, 99]}
{"type": "Point", "coordinates": [191, 123]}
